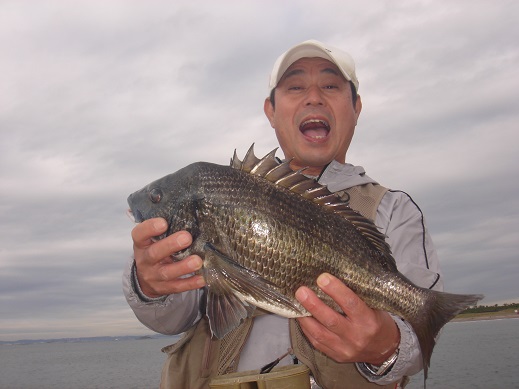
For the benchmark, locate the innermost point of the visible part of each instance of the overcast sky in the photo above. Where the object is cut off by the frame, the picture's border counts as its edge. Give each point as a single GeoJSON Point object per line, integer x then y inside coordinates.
{"type": "Point", "coordinates": [98, 98]}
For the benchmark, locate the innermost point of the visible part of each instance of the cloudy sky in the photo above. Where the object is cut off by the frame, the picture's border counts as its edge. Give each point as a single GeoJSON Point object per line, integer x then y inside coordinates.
{"type": "Point", "coordinates": [98, 98]}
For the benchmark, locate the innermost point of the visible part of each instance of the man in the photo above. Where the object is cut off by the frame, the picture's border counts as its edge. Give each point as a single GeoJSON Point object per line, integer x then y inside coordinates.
{"type": "Point", "coordinates": [313, 107]}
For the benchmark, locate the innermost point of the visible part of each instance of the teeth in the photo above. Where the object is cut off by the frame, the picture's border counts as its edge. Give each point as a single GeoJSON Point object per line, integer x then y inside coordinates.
{"type": "Point", "coordinates": [325, 124]}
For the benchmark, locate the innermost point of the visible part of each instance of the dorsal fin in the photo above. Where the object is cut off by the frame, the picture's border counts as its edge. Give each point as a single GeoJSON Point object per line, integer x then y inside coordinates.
{"type": "Point", "coordinates": [280, 173]}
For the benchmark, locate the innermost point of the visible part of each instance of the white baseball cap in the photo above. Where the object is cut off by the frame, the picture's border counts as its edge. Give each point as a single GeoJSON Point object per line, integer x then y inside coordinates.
{"type": "Point", "coordinates": [310, 49]}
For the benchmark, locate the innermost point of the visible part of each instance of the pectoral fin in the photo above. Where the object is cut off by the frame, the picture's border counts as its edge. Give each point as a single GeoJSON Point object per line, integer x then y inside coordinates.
{"type": "Point", "coordinates": [234, 290]}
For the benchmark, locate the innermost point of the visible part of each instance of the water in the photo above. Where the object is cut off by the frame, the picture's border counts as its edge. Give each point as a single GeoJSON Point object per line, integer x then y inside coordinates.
{"type": "Point", "coordinates": [88, 365]}
{"type": "Point", "coordinates": [478, 354]}
{"type": "Point", "coordinates": [482, 354]}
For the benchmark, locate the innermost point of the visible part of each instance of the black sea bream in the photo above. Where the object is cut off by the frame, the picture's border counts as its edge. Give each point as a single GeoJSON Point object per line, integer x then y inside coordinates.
{"type": "Point", "coordinates": [264, 230]}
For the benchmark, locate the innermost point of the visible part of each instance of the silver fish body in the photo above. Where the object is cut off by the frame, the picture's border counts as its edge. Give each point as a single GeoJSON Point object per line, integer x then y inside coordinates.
{"type": "Point", "coordinates": [264, 231]}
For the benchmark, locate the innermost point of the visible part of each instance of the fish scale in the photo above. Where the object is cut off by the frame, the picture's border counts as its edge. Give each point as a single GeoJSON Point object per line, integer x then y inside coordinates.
{"type": "Point", "coordinates": [264, 230]}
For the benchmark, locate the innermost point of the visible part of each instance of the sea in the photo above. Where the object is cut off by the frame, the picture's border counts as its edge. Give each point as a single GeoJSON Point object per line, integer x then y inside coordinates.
{"type": "Point", "coordinates": [472, 354]}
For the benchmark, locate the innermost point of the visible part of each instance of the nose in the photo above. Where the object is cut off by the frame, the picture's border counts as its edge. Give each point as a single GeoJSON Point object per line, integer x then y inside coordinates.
{"type": "Point", "coordinates": [314, 96]}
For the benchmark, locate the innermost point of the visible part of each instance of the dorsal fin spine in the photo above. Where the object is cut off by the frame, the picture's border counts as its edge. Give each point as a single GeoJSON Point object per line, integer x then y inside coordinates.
{"type": "Point", "coordinates": [235, 161]}
{"type": "Point", "coordinates": [250, 160]}
{"type": "Point", "coordinates": [265, 164]}
{"type": "Point", "coordinates": [280, 173]}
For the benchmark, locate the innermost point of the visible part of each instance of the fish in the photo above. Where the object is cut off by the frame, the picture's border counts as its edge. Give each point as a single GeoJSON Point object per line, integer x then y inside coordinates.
{"type": "Point", "coordinates": [263, 230]}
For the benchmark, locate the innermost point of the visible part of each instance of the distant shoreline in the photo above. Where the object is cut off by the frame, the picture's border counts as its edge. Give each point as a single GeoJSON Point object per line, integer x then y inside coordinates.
{"type": "Point", "coordinates": [486, 316]}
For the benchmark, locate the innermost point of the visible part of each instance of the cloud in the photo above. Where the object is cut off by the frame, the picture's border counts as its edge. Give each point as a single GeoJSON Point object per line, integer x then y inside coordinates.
{"type": "Point", "coordinates": [99, 98]}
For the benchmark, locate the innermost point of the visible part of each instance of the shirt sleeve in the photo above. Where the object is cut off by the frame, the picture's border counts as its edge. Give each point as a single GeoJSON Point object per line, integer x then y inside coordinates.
{"type": "Point", "coordinates": [402, 221]}
{"type": "Point", "coordinates": [157, 313]}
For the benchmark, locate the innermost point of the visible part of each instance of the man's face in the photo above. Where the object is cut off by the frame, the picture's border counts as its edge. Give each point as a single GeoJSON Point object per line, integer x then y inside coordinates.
{"type": "Point", "coordinates": [314, 116]}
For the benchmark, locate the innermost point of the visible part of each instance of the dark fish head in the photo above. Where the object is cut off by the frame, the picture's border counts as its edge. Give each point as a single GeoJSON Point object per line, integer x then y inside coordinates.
{"type": "Point", "coordinates": [170, 197]}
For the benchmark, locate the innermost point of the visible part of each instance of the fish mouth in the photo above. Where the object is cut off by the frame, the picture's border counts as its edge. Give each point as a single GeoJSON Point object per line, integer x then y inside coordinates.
{"type": "Point", "coordinates": [130, 215]}
{"type": "Point", "coordinates": [315, 129]}
{"type": "Point", "coordinates": [135, 216]}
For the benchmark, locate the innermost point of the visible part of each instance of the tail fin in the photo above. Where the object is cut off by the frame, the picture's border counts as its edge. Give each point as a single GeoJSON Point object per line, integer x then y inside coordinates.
{"type": "Point", "coordinates": [442, 307]}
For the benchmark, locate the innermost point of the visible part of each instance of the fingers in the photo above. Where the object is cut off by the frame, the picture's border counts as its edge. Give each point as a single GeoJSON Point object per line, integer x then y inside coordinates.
{"type": "Point", "coordinates": [350, 303]}
{"type": "Point", "coordinates": [157, 274]}
{"type": "Point", "coordinates": [143, 232]}
{"type": "Point", "coordinates": [347, 300]}
{"type": "Point", "coordinates": [169, 245]}
{"type": "Point", "coordinates": [319, 310]}
{"type": "Point", "coordinates": [146, 250]}
{"type": "Point", "coordinates": [170, 278]}
{"type": "Point", "coordinates": [362, 334]}
{"type": "Point", "coordinates": [322, 327]}
{"type": "Point", "coordinates": [167, 277]}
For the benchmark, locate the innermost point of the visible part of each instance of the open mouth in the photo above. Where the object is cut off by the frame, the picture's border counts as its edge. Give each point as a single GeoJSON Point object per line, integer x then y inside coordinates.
{"type": "Point", "coordinates": [315, 129]}
{"type": "Point", "coordinates": [135, 216]}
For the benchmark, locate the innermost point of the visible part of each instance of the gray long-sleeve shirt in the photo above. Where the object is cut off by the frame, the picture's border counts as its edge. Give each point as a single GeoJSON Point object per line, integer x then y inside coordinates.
{"type": "Point", "coordinates": [398, 217]}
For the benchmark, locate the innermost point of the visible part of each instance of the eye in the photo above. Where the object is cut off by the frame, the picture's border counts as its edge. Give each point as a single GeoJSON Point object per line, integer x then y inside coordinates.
{"type": "Point", "coordinates": [155, 195]}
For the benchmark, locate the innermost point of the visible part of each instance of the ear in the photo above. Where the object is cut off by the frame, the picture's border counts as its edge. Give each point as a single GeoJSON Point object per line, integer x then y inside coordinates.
{"type": "Point", "coordinates": [268, 108]}
{"type": "Point", "coordinates": [358, 108]}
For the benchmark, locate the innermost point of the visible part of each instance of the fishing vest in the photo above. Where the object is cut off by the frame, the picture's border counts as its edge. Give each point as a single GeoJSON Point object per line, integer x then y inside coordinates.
{"type": "Point", "coordinates": [197, 357]}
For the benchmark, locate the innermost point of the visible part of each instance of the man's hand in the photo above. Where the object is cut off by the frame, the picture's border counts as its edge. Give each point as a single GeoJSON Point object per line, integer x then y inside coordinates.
{"type": "Point", "coordinates": [361, 335]}
{"type": "Point", "coordinates": [158, 275]}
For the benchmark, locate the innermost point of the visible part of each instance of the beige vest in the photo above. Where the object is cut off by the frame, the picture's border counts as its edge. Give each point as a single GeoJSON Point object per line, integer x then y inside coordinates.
{"type": "Point", "coordinates": [197, 357]}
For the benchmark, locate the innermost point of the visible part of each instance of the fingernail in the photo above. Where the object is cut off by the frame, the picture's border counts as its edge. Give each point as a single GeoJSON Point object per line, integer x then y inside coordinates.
{"type": "Point", "coordinates": [160, 224]}
{"type": "Point", "coordinates": [323, 280]}
{"type": "Point", "coordinates": [194, 263]}
{"type": "Point", "coordinates": [200, 282]}
{"type": "Point", "coordinates": [301, 294]}
{"type": "Point", "coordinates": [183, 239]}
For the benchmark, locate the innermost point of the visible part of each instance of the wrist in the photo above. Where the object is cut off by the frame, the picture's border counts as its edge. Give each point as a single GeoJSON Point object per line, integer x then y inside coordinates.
{"type": "Point", "coordinates": [385, 367]}
{"type": "Point", "coordinates": [390, 340]}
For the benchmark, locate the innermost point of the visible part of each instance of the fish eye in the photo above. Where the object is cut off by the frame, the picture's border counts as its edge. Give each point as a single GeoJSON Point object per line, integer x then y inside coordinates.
{"type": "Point", "coordinates": [155, 195]}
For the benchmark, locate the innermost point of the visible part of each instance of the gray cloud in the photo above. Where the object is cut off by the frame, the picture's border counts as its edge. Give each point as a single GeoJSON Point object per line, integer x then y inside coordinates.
{"type": "Point", "coordinates": [100, 98]}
